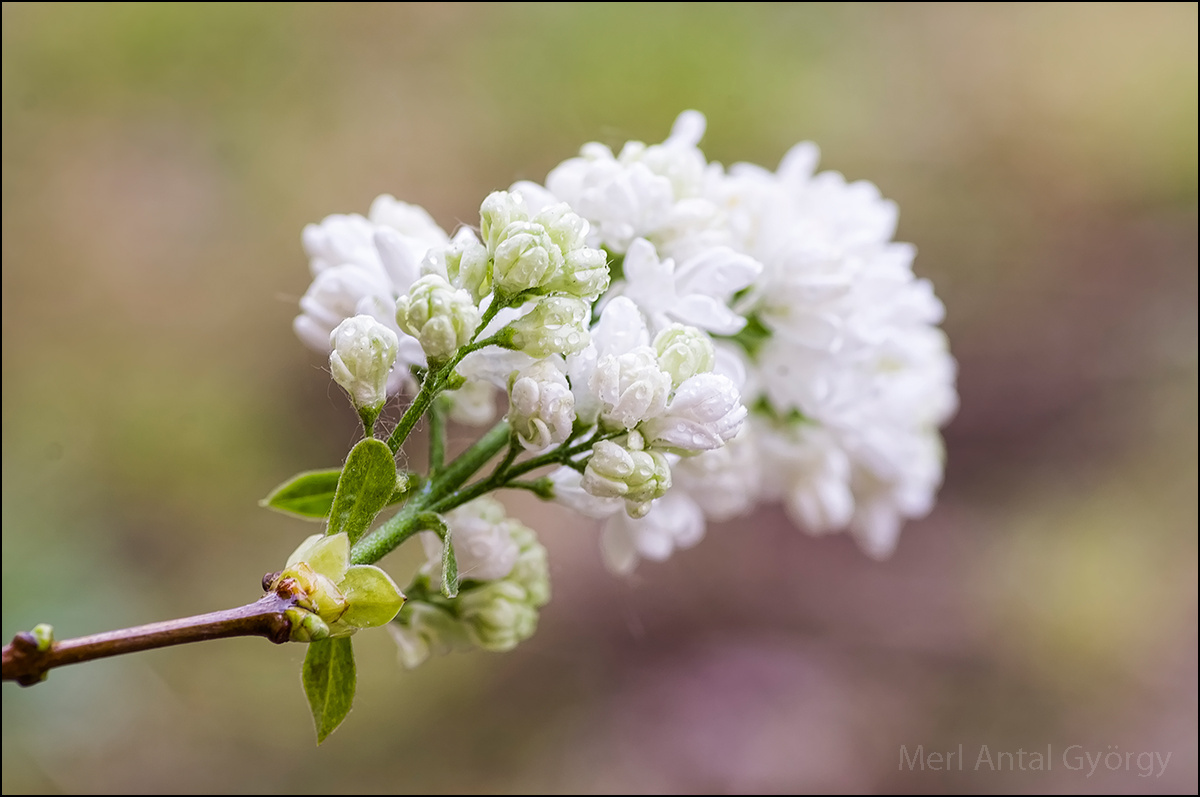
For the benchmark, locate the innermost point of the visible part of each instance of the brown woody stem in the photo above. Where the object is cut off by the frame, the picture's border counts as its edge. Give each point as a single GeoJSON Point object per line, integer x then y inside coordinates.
{"type": "Point", "coordinates": [26, 664]}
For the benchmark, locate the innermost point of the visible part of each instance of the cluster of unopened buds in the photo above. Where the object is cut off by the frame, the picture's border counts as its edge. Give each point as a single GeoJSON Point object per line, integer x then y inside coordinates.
{"type": "Point", "coordinates": [674, 341]}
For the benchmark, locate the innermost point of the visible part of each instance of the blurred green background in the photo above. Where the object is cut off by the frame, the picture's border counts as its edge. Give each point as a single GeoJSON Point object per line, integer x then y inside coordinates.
{"type": "Point", "coordinates": [159, 163]}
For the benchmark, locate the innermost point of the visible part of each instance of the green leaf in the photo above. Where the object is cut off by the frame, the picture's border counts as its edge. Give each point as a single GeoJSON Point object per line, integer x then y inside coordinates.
{"type": "Point", "coordinates": [365, 487]}
{"type": "Point", "coordinates": [309, 495]}
{"type": "Point", "coordinates": [373, 597]}
{"type": "Point", "coordinates": [329, 680]}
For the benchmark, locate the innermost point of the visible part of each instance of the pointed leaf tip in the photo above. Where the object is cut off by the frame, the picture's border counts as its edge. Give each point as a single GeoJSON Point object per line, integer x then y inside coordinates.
{"type": "Point", "coordinates": [329, 679]}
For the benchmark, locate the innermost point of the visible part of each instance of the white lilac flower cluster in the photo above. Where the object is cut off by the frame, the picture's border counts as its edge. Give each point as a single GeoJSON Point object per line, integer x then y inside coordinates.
{"type": "Point", "coordinates": [818, 317]}
{"type": "Point", "coordinates": [506, 579]}
{"type": "Point", "coordinates": [728, 336]}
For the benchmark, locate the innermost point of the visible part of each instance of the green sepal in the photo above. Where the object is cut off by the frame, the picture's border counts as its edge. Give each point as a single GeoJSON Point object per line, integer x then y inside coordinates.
{"type": "Point", "coordinates": [329, 679]}
{"type": "Point", "coordinates": [309, 495]}
{"type": "Point", "coordinates": [373, 597]}
{"type": "Point", "coordinates": [366, 485]}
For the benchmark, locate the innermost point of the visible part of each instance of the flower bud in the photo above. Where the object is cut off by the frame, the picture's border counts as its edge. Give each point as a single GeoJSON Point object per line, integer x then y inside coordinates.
{"type": "Point", "coordinates": [498, 615]}
{"type": "Point", "coordinates": [43, 634]}
{"type": "Point", "coordinates": [441, 317]}
{"type": "Point", "coordinates": [499, 210]}
{"type": "Point", "coordinates": [364, 352]}
{"type": "Point", "coordinates": [683, 352]}
{"type": "Point", "coordinates": [541, 406]}
{"type": "Point", "coordinates": [555, 325]}
{"type": "Point", "coordinates": [637, 476]}
{"type": "Point", "coordinates": [584, 274]}
{"type": "Point", "coordinates": [631, 387]}
{"type": "Point", "coordinates": [566, 228]}
{"type": "Point", "coordinates": [464, 263]}
{"type": "Point", "coordinates": [525, 259]}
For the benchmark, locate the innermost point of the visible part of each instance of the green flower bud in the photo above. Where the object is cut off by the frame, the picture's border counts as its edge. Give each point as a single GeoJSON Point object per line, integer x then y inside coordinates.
{"type": "Point", "coordinates": [43, 634]}
{"type": "Point", "coordinates": [306, 626]}
{"type": "Point", "coordinates": [525, 259]}
{"type": "Point", "coordinates": [637, 476]}
{"type": "Point", "coordinates": [566, 228]}
{"type": "Point", "coordinates": [441, 317]}
{"type": "Point", "coordinates": [555, 325]}
{"type": "Point", "coordinates": [497, 615]}
{"type": "Point", "coordinates": [464, 262]}
{"type": "Point", "coordinates": [499, 210]}
{"type": "Point", "coordinates": [683, 352]}
{"type": "Point", "coordinates": [364, 352]}
{"type": "Point", "coordinates": [584, 275]}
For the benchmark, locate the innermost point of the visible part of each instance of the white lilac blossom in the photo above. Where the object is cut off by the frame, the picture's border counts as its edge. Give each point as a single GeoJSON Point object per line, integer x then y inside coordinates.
{"type": "Point", "coordinates": [697, 291]}
{"type": "Point", "coordinates": [360, 266]}
{"type": "Point", "coordinates": [631, 387]}
{"type": "Point", "coordinates": [844, 365]}
{"type": "Point", "coordinates": [677, 342]}
{"type": "Point", "coordinates": [652, 192]}
{"type": "Point", "coordinates": [362, 356]}
{"type": "Point", "coordinates": [541, 406]}
{"type": "Point", "coordinates": [704, 413]}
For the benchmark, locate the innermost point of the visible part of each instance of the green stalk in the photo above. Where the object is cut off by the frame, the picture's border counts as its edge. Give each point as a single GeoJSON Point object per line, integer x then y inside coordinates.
{"type": "Point", "coordinates": [408, 521]}
{"type": "Point", "coordinates": [437, 437]}
{"type": "Point", "coordinates": [507, 473]}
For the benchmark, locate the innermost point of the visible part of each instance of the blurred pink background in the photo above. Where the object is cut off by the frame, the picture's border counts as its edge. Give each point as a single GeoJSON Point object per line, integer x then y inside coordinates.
{"type": "Point", "coordinates": [159, 163]}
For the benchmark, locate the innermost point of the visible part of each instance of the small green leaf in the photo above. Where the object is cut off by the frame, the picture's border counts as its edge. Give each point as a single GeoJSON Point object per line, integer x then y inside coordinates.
{"type": "Point", "coordinates": [308, 495]}
{"type": "Point", "coordinates": [373, 597]}
{"type": "Point", "coordinates": [365, 487]}
{"type": "Point", "coordinates": [329, 680]}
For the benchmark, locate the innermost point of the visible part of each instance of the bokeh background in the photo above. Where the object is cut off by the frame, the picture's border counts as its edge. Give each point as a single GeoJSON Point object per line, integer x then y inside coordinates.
{"type": "Point", "coordinates": [159, 162]}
